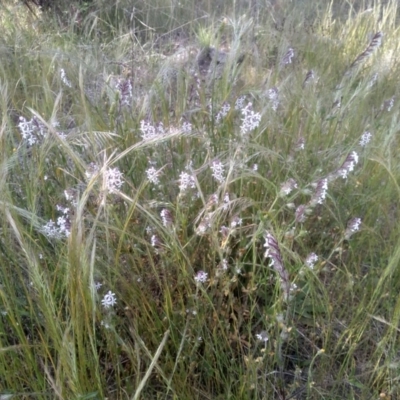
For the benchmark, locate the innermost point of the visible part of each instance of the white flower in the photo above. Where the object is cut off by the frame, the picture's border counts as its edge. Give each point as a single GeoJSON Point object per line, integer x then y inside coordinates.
{"type": "Point", "coordinates": [186, 181]}
{"type": "Point", "coordinates": [150, 132]}
{"type": "Point", "coordinates": [201, 277]}
{"type": "Point", "coordinates": [218, 171]}
{"type": "Point", "coordinates": [152, 175]}
{"type": "Point", "coordinates": [109, 300]}
{"type": "Point", "coordinates": [166, 217]}
{"type": "Point", "coordinates": [365, 139]}
{"type": "Point", "coordinates": [250, 120]}
{"type": "Point", "coordinates": [114, 180]}
{"type": "Point", "coordinates": [64, 78]}
{"type": "Point", "coordinates": [311, 259]}
{"type": "Point", "coordinates": [262, 336]}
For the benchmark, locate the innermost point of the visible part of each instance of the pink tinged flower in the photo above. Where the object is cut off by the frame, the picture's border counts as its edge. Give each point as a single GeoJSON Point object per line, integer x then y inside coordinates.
{"type": "Point", "coordinates": [166, 217]}
{"type": "Point", "coordinates": [300, 213]}
{"type": "Point", "coordinates": [124, 87]}
{"type": "Point", "coordinates": [109, 300]}
{"type": "Point", "coordinates": [320, 192]}
{"type": "Point", "coordinates": [288, 57]}
{"type": "Point", "coordinates": [388, 104]}
{"type": "Point", "coordinates": [240, 103]}
{"type": "Point", "coordinates": [274, 254]}
{"type": "Point", "coordinates": [218, 171]}
{"type": "Point", "coordinates": [236, 221]}
{"type": "Point", "coordinates": [288, 187]}
{"type": "Point", "coordinates": [353, 226]}
{"type": "Point", "coordinates": [223, 112]}
{"type": "Point", "coordinates": [311, 259]}
{"type": "Point", "coordinates": [153, 175]}
{"type": "Point", "coordinates": [201, 277]}
{"type": "Point", "coordinates": [204, 226]}
{"type": "Point", "coordinates": [348, 165]}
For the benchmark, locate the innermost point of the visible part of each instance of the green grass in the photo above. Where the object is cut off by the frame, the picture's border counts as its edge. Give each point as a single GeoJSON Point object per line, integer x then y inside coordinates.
{"type": "Point", "coordinates": [332, 329]}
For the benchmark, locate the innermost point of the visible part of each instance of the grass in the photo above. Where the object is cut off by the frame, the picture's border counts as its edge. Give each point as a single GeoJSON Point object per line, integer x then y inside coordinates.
{"type": "Point", "coordinates": [157, 223]}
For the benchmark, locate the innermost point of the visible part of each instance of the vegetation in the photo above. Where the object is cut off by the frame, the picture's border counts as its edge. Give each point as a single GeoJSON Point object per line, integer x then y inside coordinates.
{"type": "Point", "coordinates": [200, 201]}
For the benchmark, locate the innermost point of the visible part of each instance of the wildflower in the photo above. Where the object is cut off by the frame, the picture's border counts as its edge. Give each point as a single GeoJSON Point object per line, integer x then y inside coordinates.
{"type": "Point", "coordinates": [250, 120]}
{"type": "Point", "coordinates": [150, 132]}
{"type": "Point", "coordinates": [186, 181]}
{"type": "Point", "coordinates": [365, 138]}
{"type": "Point", "coordinates": [91, 171]}
{"type": "Point", "coordinates": [204, 225]}
{"type": "Point", "coordinates": [109, 300]}
{"type": "Point", "coordinates": [240, 102]}
{"type": "Point", "coordinates": [156, 243]}
{"type": "Point", "coordinates": [374, 44]}
{"type": "Point", "coordinates": [287, 58]}
{"type": "Point", "coordinates": [152, 175]}
{"type": "Point", "coordinates": [262, 336]}
{"type": "Point", "coordinates": [201, 277]}
{"type": "Point", "coordinates": [50, 229]}
{"type": "Point", "coordinates": [272, 95]}
{"type": "Point", "coordinates": [218, 171]}
{"type": "Point", "coordinates": [255, 167]}
{"type": "Point", "coordinates": [223, 112]}
{"type": "Point", "coordinates": [348, 165]}
{"type": "Point", "coordinates": [224, 264]}
{"type": "Point", "coordinates": [226, 202]}
{"type": "Point", "coordinates": [97, 285]}
{"type": "Point", "coordinates": [113, 179]}
{"type": "Point", "coordinates": [301, 144]}
{"type": "Point", "coordinates": [309, 77]}
{"type": "Point", "coordinates": [64, 78]}
{"type": "Point", "coordinates": [274, 254]}
{"type": "Point", "coordinates": [300, 213]}
{"type": "Point", "coordinates": [124, 87]}
{"type": "Point", "coordinates": [32, 131]}
{"type": "Point", "coordinates": [186, 127]}
{"type": "Point", "coordinates": [311, 259]}
{"type": "Point", "coordinates": [166, 217]}
{"type": "Point", "coordinates": [287, 187]}
{"type": "Point", "coordinates": [236, 221]}
{"type": "Point", "coordinates": [320, 192]}
{"type": "Point", "coordinates": [353, 226]}
{"type": "Point", "coordinates": [388, 104]}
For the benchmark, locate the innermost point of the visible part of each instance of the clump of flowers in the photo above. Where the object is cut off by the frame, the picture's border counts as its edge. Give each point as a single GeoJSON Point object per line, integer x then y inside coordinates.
{"type": "Point", "coordinates": [186, 181]}
{"type": "Point", "coordinates": [250, 120]}
{"type": "Point", "coordinates": [124, 87]}
{"type": "Point", "coordinates": [149, 132]}
{"type": "Point", "coordinates": [311, 259]}
{"type": "Point", "coordinates": [153, 175]}
{"type": "Point", "coordinates": [166, 217]}
{"type": "Point", "coordinates": [288, 187]}
{"type": "Point", "coordinates": [288, 57]}
{"type": "Point", "coordinates": [218, 171]}
{"type": "Point", "coordinates": [348, 165]}
{"type": "Point", "coordinates": [64, 78]}
{"type": "Point", "coordinates": [113, 179]}
{"type": "Point", "coordinates": [320, 192]}
{"type": "Point", "coordinates": [272, 95]}
{"type": "Point", "coordinates": [274, 254]}
{"type": "Point", "coordinates": [32, 131]}
{"type": "Point", "coordinates": [365, 138]}
{"type": "Point", "coordinates": [201, 277]}
{"type": "Point", "coordinates": [222, 113]}
{"type": "Point", "coordinates": [353, 226]}
{"type": "Point", "coordinates": [61, 228]}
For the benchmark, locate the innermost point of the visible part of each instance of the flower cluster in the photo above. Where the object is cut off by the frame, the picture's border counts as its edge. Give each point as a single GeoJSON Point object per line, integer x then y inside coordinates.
{"type": "Point", "coordinates": [32, 131]}
{"type": "Point", "coordinates": [186, 181]}
{"type": "Point", "coordinates": [64, 78]}
{"type": "Point", "coordinates": [61, 228]}
{"type": "Point", "coordinates": [348, 165]}
{"type": "Point", "coordinates": [274, 254]}
{"type": "Point", "coordinates": [149, 132]}
{"type": "Point", "coordinates": [201, 277]}
{"type": "Point", "coordinates": [113, 179]}
{"type": "Point", "coordinates": [223, 112]}
{"type": "Point", "coordinates": [250, 120]}
{"type": "Point", "coordinates": [353, 226]}
{"type": "Point", "coordinates": [218, 171]}
{"type": "Point", "coordinates": [272, 95]}
{"type": "Point", "coordinates": [124, 87]}
{"type": "Point", "coordinates": [365, 138]}
{"type": "Point", "coordinates": [153, 175]}
{"type": "Point", "coordinates": [166, 217]}
{"type": "Point", "coordinates": [288, 187]}
{"type": "Point", "coordinates": [311, 259]}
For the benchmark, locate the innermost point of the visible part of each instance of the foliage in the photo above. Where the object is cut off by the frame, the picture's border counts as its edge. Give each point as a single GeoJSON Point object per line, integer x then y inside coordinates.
{"type": "Point", "coordinates": [203, 215]}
